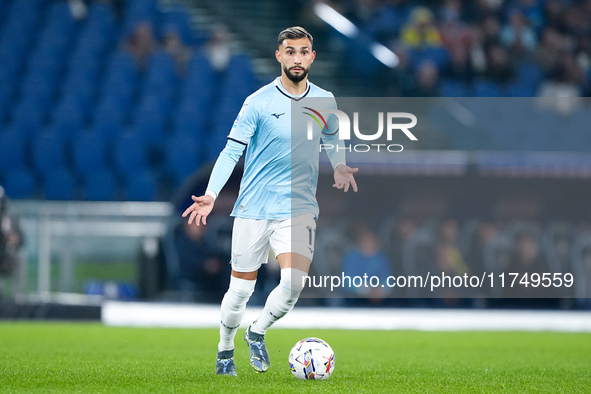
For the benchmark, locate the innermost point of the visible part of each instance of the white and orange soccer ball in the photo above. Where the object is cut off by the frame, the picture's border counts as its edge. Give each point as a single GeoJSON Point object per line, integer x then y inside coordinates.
{"type": "Point", "coordinates": [311, 358]}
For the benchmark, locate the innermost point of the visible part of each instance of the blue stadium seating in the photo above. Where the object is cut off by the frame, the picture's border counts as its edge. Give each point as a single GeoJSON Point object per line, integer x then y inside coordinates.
{"type": "Point", "coordinates": [38, 90]}
{"type": "Point", "coordinates": [108, 123]}
{"type": "Point", "coordinates": [130, 155]}
{"type": "Point", "coordinates": [77, 103]}
{"type": "Point", "coordinates": [99, 185]}
{"type": "Point", "coordinates": [152, 102]}
{"type": "Point", "coordinates": [116, 100]}
{"type": "Point", "coordinates": [140, 11]}
{"type": "Point", "coordinates": [49, 153]}
{"type": "Point", "coordinates": [60, 184]}
{"type": "Point", "coordinates": [12, 151]}
{"type": "Point", "coordinates": [60, 18]}
{"type": "Point", "coordinates": [121, 69]}
{"type": "Point", "coordinates": [201, 76]}
{"type": "Point", "coordinates": [19, 183]}
{"type": "Point", "coordinates": [149, 126]}
{"type": "Point", "coordinates": [437, 55]}
{"type": "Point", "coordinates": [190, 119]}
{"type": "Point", "coordinates": [101, 21]}
{"type": "Point", "coordinates": [161, 70]}
{"type": "Point", "coordinates": [54, 42]}
{"type": "Point", "coordinates": [484, 88]}
{"type": "Point", "coordinates": [43, 64]}
{"type": "Point", "coordinates": [529, 75]}
{"type": "Point", "coordinates": [177, 19]}
{"type": "Point", "coordinates": [5, 101]}
{"type": "Point", "coordinates": [141, 186]}
{"type": "Point", "coordinates": [183, 156]}
{"type": "Point", "coordinates": [453, 88]}
{"type": "Point", "coordinates": [67, 124]}
{"type": "Point", "coordinates": [27, 118]}
{"type": "Point", "coordinates": [89, 153]}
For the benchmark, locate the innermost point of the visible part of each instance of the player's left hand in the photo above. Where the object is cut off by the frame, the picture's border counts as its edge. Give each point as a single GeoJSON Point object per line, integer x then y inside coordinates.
{"type": "Point", "coordinates": [199, 210]}
{"type": "Point", "coordinates": [343, 178]}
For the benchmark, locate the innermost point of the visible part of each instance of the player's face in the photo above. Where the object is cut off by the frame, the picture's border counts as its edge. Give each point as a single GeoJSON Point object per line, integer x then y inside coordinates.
{"type": "Point", "coordinates": [295, 57]}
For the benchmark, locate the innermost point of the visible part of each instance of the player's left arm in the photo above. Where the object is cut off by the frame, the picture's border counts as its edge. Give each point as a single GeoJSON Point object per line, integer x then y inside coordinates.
{"type": "Point", "coordinates": [343, 174]}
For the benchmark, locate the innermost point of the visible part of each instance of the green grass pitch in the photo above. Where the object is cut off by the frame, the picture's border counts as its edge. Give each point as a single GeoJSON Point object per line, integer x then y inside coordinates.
{"type": "Point", "coordinates": [91, 358]}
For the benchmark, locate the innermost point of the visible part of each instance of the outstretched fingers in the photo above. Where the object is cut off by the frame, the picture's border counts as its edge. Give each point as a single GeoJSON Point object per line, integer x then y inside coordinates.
{"type": "Point", "coordinates": [195, 212]}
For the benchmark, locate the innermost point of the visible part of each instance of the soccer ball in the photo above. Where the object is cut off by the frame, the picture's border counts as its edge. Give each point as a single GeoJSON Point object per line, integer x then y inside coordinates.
{"type": "Point", "coordinates": [311, 358]}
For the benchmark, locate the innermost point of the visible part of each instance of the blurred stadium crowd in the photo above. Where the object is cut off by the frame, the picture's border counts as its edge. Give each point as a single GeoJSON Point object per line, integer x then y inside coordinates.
{"type": "Point", "coordinates": [482, 48]}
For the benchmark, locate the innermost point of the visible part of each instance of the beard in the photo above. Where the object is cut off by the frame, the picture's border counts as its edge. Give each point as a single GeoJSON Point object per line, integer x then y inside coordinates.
{"type": "Point", "coordinates": [296, 77]}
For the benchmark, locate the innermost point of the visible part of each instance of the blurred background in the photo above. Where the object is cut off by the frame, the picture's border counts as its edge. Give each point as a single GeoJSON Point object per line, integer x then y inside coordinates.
{"type": "Point", "coordinates": [112, 113]}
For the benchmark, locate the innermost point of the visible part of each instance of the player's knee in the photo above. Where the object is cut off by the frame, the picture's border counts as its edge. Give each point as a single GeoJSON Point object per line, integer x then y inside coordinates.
{"type": "Point", "coordinates": [240, 290]}
{"type": "Point", "coordinates": [292, 283]}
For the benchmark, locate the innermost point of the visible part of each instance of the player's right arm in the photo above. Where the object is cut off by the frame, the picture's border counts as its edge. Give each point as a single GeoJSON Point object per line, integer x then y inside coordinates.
{"type": "Point", "coordinates": [240, 135]}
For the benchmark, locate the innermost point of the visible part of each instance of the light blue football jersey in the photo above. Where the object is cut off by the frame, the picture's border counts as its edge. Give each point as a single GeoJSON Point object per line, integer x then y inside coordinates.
{"type": "Point", "coordinates": [281, 163]}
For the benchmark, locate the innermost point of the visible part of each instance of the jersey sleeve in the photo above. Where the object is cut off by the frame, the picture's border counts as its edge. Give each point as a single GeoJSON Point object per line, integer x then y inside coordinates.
{"type": "Point", "coordinates": [224, 166]}
{"type": "Point", "coordinates": [337, 155]}
{"type": "Point", "coordinates": [240, 135]}
{"type": "Point", "coordinates": [245, 124]}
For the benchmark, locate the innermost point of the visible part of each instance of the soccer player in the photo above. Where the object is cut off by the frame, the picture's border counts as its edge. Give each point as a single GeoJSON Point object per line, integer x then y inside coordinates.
{"type": "Point", "coordinates": [276, 206]}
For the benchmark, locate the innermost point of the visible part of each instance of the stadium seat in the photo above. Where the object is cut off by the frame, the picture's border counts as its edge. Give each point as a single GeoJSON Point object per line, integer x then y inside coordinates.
{"type": "Point", "coordinates": [484, 88]}
{"type": "Point", "coordinates": [140, 11]}
{"type": "Point", "coordinates": [437, 55]}
{"type": "Point", "coordinates": [59, 184]}
{"type": "Point", "coordinates": [520, 89]}
{"type": "Point", "coordinates": [12, 152]}
{"type": "Point", "coordinates": [453, 88]}
{"type": "Point", "coordinates": [108, 124]}
{"type": "Point", "coordinates": [85, 65]}
{"type": "Point", "coordinates": [27, 118]}
{"type": "Point", "coordinates": [115, 101]}
{"type": "Point", "coordinates": [149, 125]}
{"type": "Point", "coordinates": [39, 91]}
{"type": "Point", "coordinates": [190, 119]}
{"type": "Point", "coordinates": [161, 72]}
{"type": "Point", "coordinates": [67, 124]}
{"type": "Point", "coordinates": [74, 104]}
{"type": "Point", "coordinates": [183, 156]}
{"type": "Point", "coordinates": [152, 102]}
{"type": "Point", "coordinates": [529, 76]}
{"type": "Point", "coordinates": [55, 41]}
{"type": "Point", "coordinates": [121, 67]}
{"type": "Point", "coordinates": [19, 184]}
{"type": "Point", "coordinates": [130, 155]}
{"type": "Point", "coordinates": [60, 16]}
{"type": "Point", "coordinates": [47, 60]}
{"type": "Point", "coordinates": [89, 153]}
{"type": "Point", "coordinates": [49, 153]}
{"type": "Point", "coordinates": [141, 186]}
{"type": "Point", "coordinates": [5, 102]}
{"type": "Point", "coordinates": [99, 185]}
{"type": "Point", "coordinates": [200, 70]}
{"type": "Point", "coordinates": [101, 19]}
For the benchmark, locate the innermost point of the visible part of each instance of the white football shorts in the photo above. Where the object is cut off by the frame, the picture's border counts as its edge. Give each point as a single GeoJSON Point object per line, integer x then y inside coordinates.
{"type": "Point", "coordinates": [252, 240]}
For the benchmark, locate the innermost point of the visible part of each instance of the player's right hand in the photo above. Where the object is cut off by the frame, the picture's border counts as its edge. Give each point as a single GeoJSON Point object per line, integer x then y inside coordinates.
{"type": "Point", "coordinates": [199, 210]}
